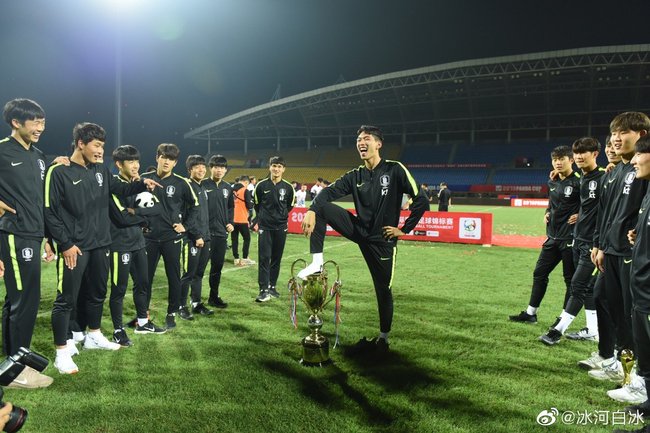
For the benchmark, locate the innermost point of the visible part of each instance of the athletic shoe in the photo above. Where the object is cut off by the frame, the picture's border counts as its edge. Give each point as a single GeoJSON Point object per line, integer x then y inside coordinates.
{"type": "Point", "coordinates": [120, 337]}
{"type": "Point", "coordinates": [365, 347]}
{"type": "Point", "coordinates": [219, 303]}
{"type": "Point", "coordinates": [133, 323]}
{"type": "Point", "coordinates": [96, 340]}
{"type": "Point", "coordinates": [552, 337]}
{"type": "Point", "coordinates": [184, 313]}
{"type": "Point", "coordinates": [583, 335]}
{"type": "Point", "coordinates": [612, 372]}
{"type": "Point", "coordinates": [247, 262]}
{"type": "Point", "coordinates": [274, 293]}
{"type": "Point", "coordinates": [554, 324]}
{"type": "Point", "coordinates": [30, 379]}
{"type": "Point", "coordinates": [149, 328]}
{"type": "Point", "coordinates": [263, 296]}
{"type": "Point", "coordinates": [78, 337]}
{"type": "Point", "coordinates": [381, 345]}
{"type": "Point", "coordinates": [524, 317]}
{"type": "Point", "coordinates": [237, 262]}
{"type": "Point", "coordinates": [595, 362]}
{"type": "Point", "coordinates": [634, 392]}
{"type": "Point", "coordinates": [170, 321]}
{"type": "Point", "coordinates": [72, 347]}
{"type": "Point", "coordinates": [202, 310]}
{"type": "Point", "coordinates": [65, 364]}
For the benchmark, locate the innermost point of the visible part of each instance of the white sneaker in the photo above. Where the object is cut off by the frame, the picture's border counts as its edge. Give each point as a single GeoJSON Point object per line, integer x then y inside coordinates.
{"type": "Point", "coordinates": [78, 337]}
{"type": "Point", "coordinates": [612, 372]}
{"type": "Point", "coordinates": [96, 340]}
{"type": "Point", "coordinates": [634, 392]}
{"type": "Point", "coordinates": [247, 262]}
{"type": "Point", "coordinates": [65, 364]}
{"type": "Point", "coordinates": [595, 362]}
{"type": "Point", "coordinates": [583, 335]}
{"type": "Point", "coordinates": [72, 347]}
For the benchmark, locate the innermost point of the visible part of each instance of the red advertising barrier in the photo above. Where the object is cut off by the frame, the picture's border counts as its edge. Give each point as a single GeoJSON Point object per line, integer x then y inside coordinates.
{"type": "Point", "coordinates": [529, 202]}
{"type": "Point", "coordinates": [459, 227]}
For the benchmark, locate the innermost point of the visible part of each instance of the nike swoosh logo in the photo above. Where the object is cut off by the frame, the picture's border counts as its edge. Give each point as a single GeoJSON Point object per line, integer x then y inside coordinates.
{"type": "Point", "coordinates": [178, 241]}
{"type": "Point", "coordinates": [612, 180]}
{"type": "Point", "coordinates": [267, 191]}
{"type": "Point", "coordinates": [209, 190]}
{"type": "Point", "coordinates": [21, 381]}
{"type": "Point", "coordinates": [74, 182]}
{"type": "Point", "coordinates": [359, 185]}
{"type": "Point", "coordinates": [385, 258]}
{"type": "Point", "coordinates": [627, 262]}
{"type": "Point", "coordinates": [108, 253]}
{"type": "Point", "coordinates": [552, 189]}
{"type": "Point", "coordinates": [15, 164]}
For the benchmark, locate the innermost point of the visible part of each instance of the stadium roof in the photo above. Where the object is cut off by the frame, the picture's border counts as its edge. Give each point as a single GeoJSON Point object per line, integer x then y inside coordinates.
{"type": "Point", "coordinates": [540, 95]}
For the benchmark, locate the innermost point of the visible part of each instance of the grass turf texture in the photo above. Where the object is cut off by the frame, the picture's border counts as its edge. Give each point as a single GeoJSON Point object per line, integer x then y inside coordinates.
{"type": "Point", "coordinates": [456, 363]}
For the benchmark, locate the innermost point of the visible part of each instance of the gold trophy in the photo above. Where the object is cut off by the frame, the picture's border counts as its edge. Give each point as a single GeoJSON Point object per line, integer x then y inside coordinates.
{"type": "Point", "coordinates": [627, 361]}
{"type": "Point", "coordinates": [315, 294]}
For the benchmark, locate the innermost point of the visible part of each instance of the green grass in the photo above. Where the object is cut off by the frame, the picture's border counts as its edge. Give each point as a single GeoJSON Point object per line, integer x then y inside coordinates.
{"type": "Point", "coordinates": [456, 363]}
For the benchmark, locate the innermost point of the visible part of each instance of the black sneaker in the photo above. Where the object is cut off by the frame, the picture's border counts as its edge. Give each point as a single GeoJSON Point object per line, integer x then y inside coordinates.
{"type": "Point", "coordinates": [554, 324]}
{"type": "Point", "coordinates": [642, 409]}
{"type": "Point", "coordinates": [170, 321]}
{"type": "Point", "coordinates": [184, 313]}
{"type": "Point", "coordinates": [362, 347]}
{"type": "Point", "coordinates": [202, 310]}
{"type": "Point", "coordinates": [132, 323]}
{"type": "Point", "coordinates": [552, 337]}
{"type": "Point", "coordinates": [524, 317]}
{"type": "Point", "coordinates": [263, 296]}
{"type": "Point", "coordinates": [381, 345]}
{"type": "Point", "coordinates": [274, 293]}
{"type": "Point", "coordinates": [149, 328]}
{"type": "Point", "coordinates": [218, 303]}
{"type": "Point", "coordinates": [120, 337]}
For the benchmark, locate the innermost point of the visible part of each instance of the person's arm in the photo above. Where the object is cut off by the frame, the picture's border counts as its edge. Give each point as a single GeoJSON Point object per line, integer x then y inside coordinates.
{"type": "Point", "coordinates": [340, 188]}
{"type": "Point", "coordinates": [191, 210]}
{"type": "Point", "coordinates": [420, 203]}
{"type": "Point", "coordinates": [248, 199]}
{"type": "Point", "coordinates": [231, 211]}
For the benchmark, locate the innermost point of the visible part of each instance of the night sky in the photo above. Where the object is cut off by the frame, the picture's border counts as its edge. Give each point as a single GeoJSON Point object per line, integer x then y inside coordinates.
{"type": "Point", "coordinates": [188, 62]}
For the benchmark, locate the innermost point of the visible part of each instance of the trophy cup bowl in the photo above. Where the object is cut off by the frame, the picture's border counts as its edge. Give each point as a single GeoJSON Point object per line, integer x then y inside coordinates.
{"type": "Point", "coordinates": [315, 294]}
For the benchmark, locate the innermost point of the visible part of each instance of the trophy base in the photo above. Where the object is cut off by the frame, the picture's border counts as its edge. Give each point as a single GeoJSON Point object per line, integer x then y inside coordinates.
{"type": "Point", "coordinates": [315, 353]}
{"type": "Point", "coordinates": [315, 364]}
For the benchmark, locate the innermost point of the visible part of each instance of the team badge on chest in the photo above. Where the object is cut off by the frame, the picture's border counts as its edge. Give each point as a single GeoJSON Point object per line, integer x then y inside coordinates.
{"type": "Point", "coordinates": [567, 191]}
{"type": "Point", "coordinates": [100, 179]}
{"type": "Point", "coordinates": [170, 190]}
{"type": "Point", "coordinates": [126, 258]}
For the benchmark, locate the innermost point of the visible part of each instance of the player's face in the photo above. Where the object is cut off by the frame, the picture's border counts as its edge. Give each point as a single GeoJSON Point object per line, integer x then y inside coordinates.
{"type": "Point", "coordinates": [563, 164]}
{"type": "Point", "coordinates": [624, 141]}
{"type": "Point", "coordinates": [129, 169]}
{"type": "Point", "coordinates": [92, 152]}
{"type": "Point", "coordinates": [611, 153]}
{"type": "Point", "coordinates": [218, 172]}
{"type": "Point", "coordinates": [641, 163]}
{"type": "Point", "coordinates": [165, 165]}
{"type": "Point", "coordinates": [585, 159]}
{"type": "Point", "coordinates": [30, 131]}
{"type": "Point", "coordinates": [276, 171]}
{"type": "Point", "coordinates": [197, 173]}
{"type": "Point", "coordinates": [368, 146]}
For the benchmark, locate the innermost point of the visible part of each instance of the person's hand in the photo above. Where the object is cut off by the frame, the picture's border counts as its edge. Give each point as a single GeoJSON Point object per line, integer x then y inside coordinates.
{"type": "Point", "coordinates": [4, 207]}
{"type": "Point", "coordinates": [62, 160]}
{"type": "Point", "coordinates": [308, 223]}
{"type": "Point", "coordinates": [5, 413]}
{"type": "Point", "coordinates": [553, 174]}
{"type": "Point", "coordinates": [230, 228]}
{"type": "Point", "coordinates": [600, 261]}
{"type": "Point", "coordinates": [631, 236]}
{"type": "Point", "coordinates": [70, 256]}
{"type": "Point", "coordinates": [610, 167]}
{"type": "Point", "coordinates": [572, 219]}
{"type": "Point", "coordinates": [151, 184]}
{"type": "Point", "coordinates": [547, 217]}
{"type": "Point", "coordinates": [49, 252]}
{"type": "Point", "coordinates": [131, 211]}
{"type": "Point", "coordinates": [2, 269]}
{"type": "Point", "coordinates": [179, 228]}
{"type": "Point", "coordinates": [391, 232]}
{"type": "Point", "coordinates": [199, 243]}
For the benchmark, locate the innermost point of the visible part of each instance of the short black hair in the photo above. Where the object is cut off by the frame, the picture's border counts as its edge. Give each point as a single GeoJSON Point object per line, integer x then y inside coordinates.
{"type": "Point", "coordinates": [218, 161]}
{"type": "Point", "coordinates": [244, 178]}
{"type": "Point", "coordinates": [643, 144]}
{"type": "Point", "coordinates": [586, 144]}
{"type": "Point", "coordinates": [87, 132]}
{"type": "Point", "coordinates": [561, 151]}
{"type": "Point", "coordinates": [193, 160]}
{"type": "Point", "coordinates": [126, 152]}
{"type": "Point", "coordinates": [372, 130]}
{"type": "Point", "coordinates": [277, 160]}
{"type": "Point", "coordinates": [22, 110]}
{"type": "Point", "coordinates": [168, 151]}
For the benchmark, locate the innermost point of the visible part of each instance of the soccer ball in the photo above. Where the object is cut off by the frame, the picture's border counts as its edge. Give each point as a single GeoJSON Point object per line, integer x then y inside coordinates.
{"type": "Point", "coordinates": [144, 199]}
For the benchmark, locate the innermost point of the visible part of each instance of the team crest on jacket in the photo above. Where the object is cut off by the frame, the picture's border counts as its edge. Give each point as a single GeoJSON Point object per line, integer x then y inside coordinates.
{"type": "Point", "coordinates": [100, 178]}
{"type": "Point", "coordinates": [126, 258]}
{"type": "Point", "coordinates": [592, 188]}
{"type": "Point", "coordinates": [282, 192]}
{"type": "Point", "coordinates": [27, 254]}
{"type": "Point", "coordinates": [41, 165]}
{"type": "Point", "coordinates": [629, 178]}
{"type": "Point", "coordinates": [194, 251]}
{"type": "Point", "coordinates": [170, 190]}
{"type": "Point", "coordinates": [384, 180]}
{"type": "Point", "coordinates": [567, 191]}
{"type": "Point", "coordinates": [225, 193]}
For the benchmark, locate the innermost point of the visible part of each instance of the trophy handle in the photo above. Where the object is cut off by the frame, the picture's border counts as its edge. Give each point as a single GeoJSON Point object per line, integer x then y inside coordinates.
{"type": "Point", "coordinates": [336, 287]}
{"type": "Point", "coordinates": [338, 271]}
{"type": "Point", "coordinates": [294, 264]}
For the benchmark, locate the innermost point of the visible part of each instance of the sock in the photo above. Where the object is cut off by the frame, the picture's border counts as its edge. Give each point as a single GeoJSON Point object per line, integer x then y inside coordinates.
{"type": "Point", "coordinates": [384, 335]}
{"type": "Point", "coordinates": [531, 310]}
{"type": "Point", "coordinates": [565, 321]}
{"type": "Point", "coordinates": [592, 321]}
{"type": "Point", "coordinates": [315, 266]}
{"type": "Point", "coordinates": [142, 322]}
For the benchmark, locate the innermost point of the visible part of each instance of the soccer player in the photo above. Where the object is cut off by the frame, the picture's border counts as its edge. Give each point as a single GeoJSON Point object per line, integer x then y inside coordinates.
{"type": "Point", "coordinates": [128, 253]}
{"type": "Point", "coordinates": [221, 211]}
{"type": "Point", "coordinates": [377, 188]}
{"type": "Point", "coordinates": [243, 199]}
{"type": "Point", "coordinates": [301, 196]}
{"type": "Point", "coordinates": [22, 170]}
{"type": "Point", "coordinates": [77, 216]}
{"type": "Point", "coordinates": [170, 228]}
{"type": "Point", "coordinates": [614, 256]}
{"type": "Point", "coordinates": [560, 216]}
{"type": "Point", "coordinates": [585, 152]}
{"type": "Point", "coordinates": [444, 198]}
{"type": "Point", "coordinates": [274, 198]}
{"type": "Point", "coordinates": [196, 251]}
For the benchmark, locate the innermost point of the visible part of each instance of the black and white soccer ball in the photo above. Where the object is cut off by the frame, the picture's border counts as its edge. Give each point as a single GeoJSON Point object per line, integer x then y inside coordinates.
{"type": "Point", "coordinates": [144, 199]}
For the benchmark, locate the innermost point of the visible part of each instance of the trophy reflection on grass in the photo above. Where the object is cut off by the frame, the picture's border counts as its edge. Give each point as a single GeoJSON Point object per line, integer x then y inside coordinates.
{"type": "Point", "coordinates": [315, 294]}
